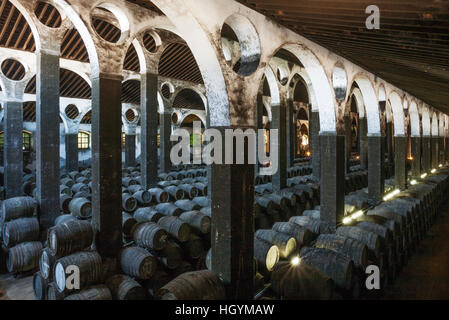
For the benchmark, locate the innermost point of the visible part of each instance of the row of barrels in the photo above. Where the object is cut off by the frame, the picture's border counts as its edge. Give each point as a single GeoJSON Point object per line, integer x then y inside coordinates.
{"type": "Point", "coordinates": [334, 265]}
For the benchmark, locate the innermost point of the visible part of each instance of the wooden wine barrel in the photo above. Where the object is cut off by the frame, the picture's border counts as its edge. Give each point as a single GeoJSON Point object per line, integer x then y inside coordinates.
{"type": "Point", "coordinates": [281, 201]}
{"type": "Point", "coordinates": [159, 279]}
{"type": "Point", "coordinates": [266, 254]}
{"type": "Point", "coordinates": [128, 224]}
{"type": "Point", "coordinates": [74, 175]}
{"type": "Point", "coordinates": [207, 211]}
{"type": "Point", "coordinates": [19, 207]}
{"type": "Point", "coordinates": [202, 188]}
{"type": "Point", "coordinates": [372, 240]}
{"type": "Point", "coordinates": [202, 201]}
{"type": "Point", "coordinates": [78, 187]}
{"type": "Point", "coordinates": [197, 220]}
{"type": "Point", "coordinates": [193, 248]}
{"type": "Point", "coordinates": [90, 269]}
{"type": "Point", "coordinates": [197, 285]}
{"type": "Point", "coordinates": [175, 227]}
{"type": "Point", "coordinates": [190, 190]}
{"type": "Point", "coordinates": [314, 214]}
{"type": "Point", "coordinates": [129, 203]}
{"type": "Point", "coordinates": [123, 287]}
{"type": "Point", "coordinates": [147, 215]}
{"type": "Point", "coordinates": [175, 193]}
{"type": "Point", "coordinates": [24, 257]}
{"type": "Point", "coordinates": [64, 201]}
{"type": "Point", "coordinates": [70, 237]}
{"type": "Point", "coordinates": [159, 195]}
{"type": "Point", "coordinates": [47, 262]}
{"type": "Point", "coordinates": [80, 207]}
{"type": "Point", "coordinates": [128, 181]}
{"type": "Point", "coordinates": [265, 203]}
{"type": "Point", "coordinates": [302, 235]}
{"type": "Point", "coordinates": [285, 242]}
{"type": "Point", "coordinates": [171, 255]}
{"type": "Point", "coordinates": [134, 188]}
{"type": "Point", "coordinates": [65, 190]}
{"type": "Point", "coordinates": [20, 230]}
{"type": "Point", "coordinates": [143, 197]}
{"type": "Point", "coordinates": [378, 229]}
{"type": "Point", "coordinates": [68, 182]}
{"type": "Point", "coordinates": [99, 292]}
{"type": "Point", "coordinates": [187, 205]}
{"type": "Point", "coordinates": [137, 262]}
{"type": "Point", "coordinates": [169, 209]}
{"type": "Point", "coordinates": [40, 285]}
{"type": "Point", "coordinates": [150, 235]}
{"type": "Point", "coordinates": [355, 250]}
{"type": "Point", "coordinates": [64, 218]}
{"type": "Point", "coordinates": [83, 180]}
{"type": "Point", "coordinates": [337, 266]}
{"type": "Point", "coordinates": [53, 292]}
{"type": "Point", "coordinates": [314, 225]}
{"type": "Point", "coordinates": [301, 282]}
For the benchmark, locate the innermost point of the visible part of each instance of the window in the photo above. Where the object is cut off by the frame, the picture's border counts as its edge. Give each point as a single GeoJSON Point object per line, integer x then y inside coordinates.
{"type": "Point", "coordinates": [83, 140]}
{"type": "Point", "coordinates": [123, 140]}
{"type": "Point", "coordinates": [27, 138]}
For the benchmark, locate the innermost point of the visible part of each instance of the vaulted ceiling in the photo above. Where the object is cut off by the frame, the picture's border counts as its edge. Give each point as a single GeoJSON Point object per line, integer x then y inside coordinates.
{"type": "Point", "coordinates": [410, 50]}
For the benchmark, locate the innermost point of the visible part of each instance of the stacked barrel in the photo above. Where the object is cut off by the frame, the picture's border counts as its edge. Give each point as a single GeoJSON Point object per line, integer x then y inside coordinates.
{"type": "Point", "coordinates": [20, 235]}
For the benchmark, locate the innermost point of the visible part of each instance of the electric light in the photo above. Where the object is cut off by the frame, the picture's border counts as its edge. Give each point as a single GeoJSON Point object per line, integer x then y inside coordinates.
{"type": "Point", "coordinates": [295, 261]}
{"type": "Point", "coordinates": [433, 171]}
{"type": "Point", "coordinates": [308, 153]}
{"type": "Point", "coordinates": [413, 182]}
{"type": "Point", "coordinates": [440, 166]}
{"type": "Point", "coordinates": [391, 195]}
{"type": "Point", "coordinates": [347, 220]}
{"type": "Point", "coordinates": [358, 214]}
{"type": "Point", "coordinates": [423, 175]}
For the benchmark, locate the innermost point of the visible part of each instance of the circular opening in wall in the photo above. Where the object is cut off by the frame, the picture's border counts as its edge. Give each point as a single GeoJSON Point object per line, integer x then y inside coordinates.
{"type": "Point", "coordinates": [72, 112]}
{"type": "Point", "coordinates": [239, 37]}
{"type": "Point", "coordinates": [131, 115]}
{"type": "Point", "coordinates": [340, 82]}
{"type": "Point", "coordinates": [167, 90]}
{"type": "Point", "coordinates": [110, 23]}
{"type": "Point", "coordinates": [48, 15]}
{"type": "Point", "coordinates": [152, 41]}
{"type": "Point", "coordinates": [13, 69]}
{"type": "Point", "coordinates": [174, 118]}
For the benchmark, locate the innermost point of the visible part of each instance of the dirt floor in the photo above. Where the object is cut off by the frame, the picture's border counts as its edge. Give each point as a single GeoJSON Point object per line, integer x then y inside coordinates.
{"type": "Point", "coordinates": [16, 288]}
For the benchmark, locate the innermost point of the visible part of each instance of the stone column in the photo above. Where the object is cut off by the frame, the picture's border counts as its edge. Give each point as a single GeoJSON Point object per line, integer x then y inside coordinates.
{"type": "Point", "coordinates": [71, 152]}
{"type": "Point", "coordinates": [149, 127]}
{"type": "Point", "coordinates": [441, 150]}
{"type": "Point", "coordinates": [232, 195]}
{"type": "Point", "coordinates": [376, 184]}
{"type": "Point", "coordinates": [348, 138]}
{"type": "Point", "coordinates": [390, 142]}
{"type": "Point", "coordinates": [289, 133]}
{"type": "Point", "coordinates": [416, 154]}
{"type": "Point", "coordinates": [47, 136]}
{"type": "Point", "coordinates": [12, 148]}
{"type": "Point", "coordinates": [165, 129]}
{"type": "Point", "coordinates": [315, 144]}
{"type": "Point", "coordinates": [259, 125]}
{"type": "Point", "coordinates": [130, 150]}
{"type": "Point", "coordinates": [400, 156]}
{"type": "Point", "coordinates": [107, 163]}
{"type": "Point", "coordinates": [434, 152]}
{"type": "Point", "coordinates": [363, 130]}
{"type": "Point", "coordinates": [332, 177]}
{"type": "Point", "coordinates": [279, 122]}
{"type": "Point", "coordinates": [426, 150]}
